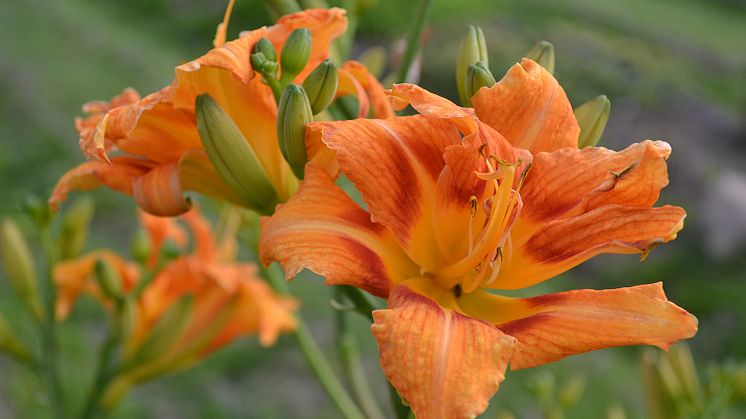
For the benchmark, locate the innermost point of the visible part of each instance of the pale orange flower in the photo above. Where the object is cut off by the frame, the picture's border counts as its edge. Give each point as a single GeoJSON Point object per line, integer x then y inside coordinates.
{"type": "Point", "coordinates": [464, 201]}
{"type": "Point", "coordinates": [150, 148]}
{"type": "Point", "coordinates": [229, 299]}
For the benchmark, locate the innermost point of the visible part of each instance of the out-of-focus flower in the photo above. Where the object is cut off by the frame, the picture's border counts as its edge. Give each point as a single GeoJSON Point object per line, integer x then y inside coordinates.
{"type": "Point", "coordinates": [459, 205]}
{"type": "Point", "coordinates": [195, 304]}
{"type": "Point", "coordinates": [149, 147]}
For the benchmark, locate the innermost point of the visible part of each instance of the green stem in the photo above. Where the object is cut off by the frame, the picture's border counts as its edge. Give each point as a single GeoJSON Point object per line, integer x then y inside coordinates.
{"type": "Point", "coordinates": [315, 356]}
{"type": "Point", "coordinates": [103, 375]}
{"type": "Point", "coordinates": [361, 302]}
{"type": "Point", "coordinates": [47, 328]}
{"type": "Point", "coordinates": [413, 39]}
{"type": "Point", "coordinates": [349, 351]}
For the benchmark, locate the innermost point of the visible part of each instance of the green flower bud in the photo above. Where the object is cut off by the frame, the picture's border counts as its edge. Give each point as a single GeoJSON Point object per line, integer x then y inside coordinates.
{"type": "Point", "coordinates": [19, 267]}
{"type": "Point", "coordinates": [321, 86]}
{"type": "Point", "coordinates": [263, 66]}
{"type": "Point", "coordinates": [125, 317]}
{"type": "Point", "coordinates": [140, 246]}
{"type": "Point", "coordinates": [75, 223]}
{"type": "Point", "coordinates": [108, 280]}
{"type": "Point", "coordinates": [473, 49]}
{"type": "Point", "coordinates": [295, 54]}
{"type": "Point", "coordinates": [266, 48]}
{"type": "Point", "coordinates": [477, 77]}
{"type": "Point", "coordinates": [233, 158]}
{"type": "Point", "coordinates": [292, 116]}
{"type": "Point", "coordinates": [169, 329]}
{"type": "Point", "coordinates": [10, 343]}
{"type": "Point", "coordinates": [543, 54]}
{"type": "Point", "coordinates": [592, 117]}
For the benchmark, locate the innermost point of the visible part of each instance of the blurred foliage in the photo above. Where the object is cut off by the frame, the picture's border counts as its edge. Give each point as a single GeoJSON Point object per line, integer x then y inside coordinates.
{"type": "Point", "coordinates": [648, 55]}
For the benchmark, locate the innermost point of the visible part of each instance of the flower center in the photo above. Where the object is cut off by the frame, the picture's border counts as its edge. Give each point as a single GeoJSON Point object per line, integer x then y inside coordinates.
{"type": "Point", "coordinates": [492, 248]}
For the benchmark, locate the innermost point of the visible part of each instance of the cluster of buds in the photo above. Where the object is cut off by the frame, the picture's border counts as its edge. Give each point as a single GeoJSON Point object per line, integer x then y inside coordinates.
{"type": "Point", "coordinates": [473, 73]}
{"type": "Point", "coordinates": [234, 160]}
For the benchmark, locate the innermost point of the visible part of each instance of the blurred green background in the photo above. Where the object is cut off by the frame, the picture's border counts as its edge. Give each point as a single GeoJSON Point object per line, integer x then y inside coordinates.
{"type": "Point", "coordinates": [674, 70]}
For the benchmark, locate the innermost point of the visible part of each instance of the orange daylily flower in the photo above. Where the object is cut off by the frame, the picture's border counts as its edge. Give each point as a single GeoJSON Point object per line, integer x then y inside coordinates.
{"type": "Point", "coordinates": [159, 154]}
{"type": "Point", "coordinates": [462, 201]}
{"type": "Point", "coordinates": [230, 300]}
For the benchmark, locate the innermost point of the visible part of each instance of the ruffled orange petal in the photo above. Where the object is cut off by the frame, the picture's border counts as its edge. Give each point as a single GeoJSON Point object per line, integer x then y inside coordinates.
{"type": "Point", "coordinates": [553, 326]}
{"type": "Point", "coordinates": [563, 244]}
{"type": "Point", "coordinates": [432, 105]}
{"type": "Point", "coordinates": [395, 164]}
{"type": "Point", "coordinates": [356, 80]}
{"type": "Point", "coordinates": [632, 177]}
{"type": "Point", "coordinates": [73, 277]}
{"type": "Point", "coordinates": [529, 108]}
{"type": "Point", "coordinates": [322, 229]}
{"type": "Point", "coordinates": [119, 175]}
{"type": "Point", "coordinates": [446, 365]}
{"type": "Point", "coordinates": [325, 26]}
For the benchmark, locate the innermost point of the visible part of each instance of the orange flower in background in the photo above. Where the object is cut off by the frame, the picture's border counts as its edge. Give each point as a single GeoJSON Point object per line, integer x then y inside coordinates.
{"type": "Point", "coordinates": [150, 148]}
{"type": "Point", "coordinates": [463, 201]}
{"type": "Point", "coordinates": [228, 299]}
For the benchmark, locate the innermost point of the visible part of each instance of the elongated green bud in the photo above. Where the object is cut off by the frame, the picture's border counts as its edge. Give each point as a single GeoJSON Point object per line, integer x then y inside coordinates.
{"type": "Point", "coordinates": [477, 77]}
{"type": "Point", "coordinates": [592, 117]}
{"type": "Point", "coordinates": [75, 223]}
{"type": "Point", "coordinates": [321, 86]}
{"type": "Point", "coordinates": [295, 54]}
{"type": "Point", "coordinates": [108, 280]}
{"type": "Point", "coordinates": [169, 329]}
{"type": "Point", "coordinates": [292, 116]}
{"type": "Point", "coordinates": [140, 246]}
{"type": "Point", "coordinates": [125, 317]}
{"type": "Point", "coordinates": [543, 54]}
{"type": "Point", "coordinates": [473, 49]}
{"type": "Point", "coordinates": [19, 267]}
{"type": "Point", "coordinates": [233, 158]}
{"type": "Point", "coordinates": [9, 341]}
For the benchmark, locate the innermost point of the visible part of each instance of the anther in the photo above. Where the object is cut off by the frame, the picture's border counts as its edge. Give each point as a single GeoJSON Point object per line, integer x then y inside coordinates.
{"type": "Point", "coordinates": [457, 291]}
{"type": "Point", "coordinates": [482, 148]}
{"type": "Point", "coordinates": [473, 202]}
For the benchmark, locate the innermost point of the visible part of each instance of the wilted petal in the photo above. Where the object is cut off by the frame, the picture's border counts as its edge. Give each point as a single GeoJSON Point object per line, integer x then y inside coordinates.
{"type": "Point", "coordinates": [322, 229]}
{"type": "Point", "coordinates": [159, 191]}
{"type": "Point", "coordinates": [529, 108]}
{"type": "Point", "coordinates": [446, 365]}
{"type": "Point", "coordinates": [550, 327]}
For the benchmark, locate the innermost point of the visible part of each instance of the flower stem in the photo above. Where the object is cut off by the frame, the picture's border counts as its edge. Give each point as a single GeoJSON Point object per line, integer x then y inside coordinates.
{"type": "Point", "coordinates": [47, 328]}
{"type": "Point", "coordinates": [103, 375]}
{"type": "Point", "coordinates": [349, 351]}
{"type": "Point", "coordinates": [413, 39]}
{"type": "Point", "coordinates": [315, 356]}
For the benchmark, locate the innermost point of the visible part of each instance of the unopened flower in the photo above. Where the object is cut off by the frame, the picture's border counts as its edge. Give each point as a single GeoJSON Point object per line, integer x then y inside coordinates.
{"type": "Point", "coordinates": [463, 201]}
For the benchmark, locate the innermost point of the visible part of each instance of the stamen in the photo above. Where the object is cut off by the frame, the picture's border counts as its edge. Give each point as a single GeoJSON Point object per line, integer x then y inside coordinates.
{"type": "Point", "coordinates": [473, 211]}
{"type": "Point", "coordinates": [492, 233]}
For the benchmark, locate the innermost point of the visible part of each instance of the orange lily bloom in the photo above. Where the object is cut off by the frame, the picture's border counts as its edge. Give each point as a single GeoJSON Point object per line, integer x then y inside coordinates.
{"type": "Point", "coordinates": [463, 201]}
{"type": "Point", "coordinates": [229, 299]}
{"type": "Point", "coordinates": [159, 154]}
